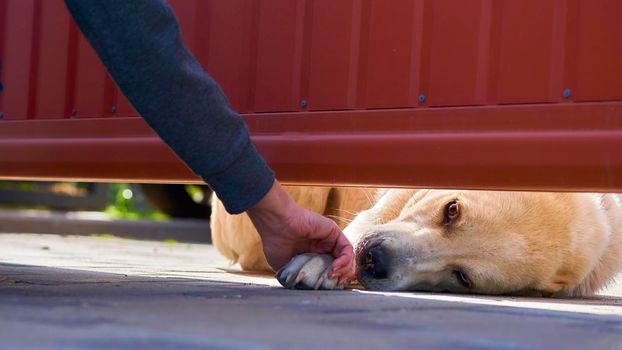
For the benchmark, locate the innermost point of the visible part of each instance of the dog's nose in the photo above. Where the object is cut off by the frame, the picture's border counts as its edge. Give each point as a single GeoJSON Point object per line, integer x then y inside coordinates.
{"type": "Point", "coordinates": [376, 261]}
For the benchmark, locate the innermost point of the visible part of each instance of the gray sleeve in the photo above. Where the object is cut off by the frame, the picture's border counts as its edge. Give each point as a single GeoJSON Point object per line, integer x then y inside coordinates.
{"type": "Point", "coordinates": [139, 43]}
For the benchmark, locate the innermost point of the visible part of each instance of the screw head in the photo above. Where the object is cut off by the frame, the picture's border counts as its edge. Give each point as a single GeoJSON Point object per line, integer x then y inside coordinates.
{"type": "Point", "coordinates": [421, 98]}
{"type": "Point", "coordinates": [304, 103]}
{"type": "Point", "coordinates": [567, 93]}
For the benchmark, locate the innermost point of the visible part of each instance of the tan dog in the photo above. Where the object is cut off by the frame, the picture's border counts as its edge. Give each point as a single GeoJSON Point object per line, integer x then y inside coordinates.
{"type": "Point", "coordinates": [562, 244]}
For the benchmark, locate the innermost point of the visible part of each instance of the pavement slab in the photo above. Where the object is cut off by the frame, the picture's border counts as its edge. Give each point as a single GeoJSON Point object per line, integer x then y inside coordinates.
{"type": "Point", "coordinates": [70, 292]}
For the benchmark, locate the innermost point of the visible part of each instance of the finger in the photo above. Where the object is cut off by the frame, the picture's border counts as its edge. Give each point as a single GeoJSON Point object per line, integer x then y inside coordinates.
{"type": "Point", "coordinates": [328, 234]}
{"type": "Point", "coordinates": [343, 264]}
{"type": "Point", "coordinates": [348, 274]}
{"type": "Point", "coordinates": [342, 252]}
{"type": "Point", "coordinates": [349, 270]}
{"type": "Point", "coordinates": [338, 271]}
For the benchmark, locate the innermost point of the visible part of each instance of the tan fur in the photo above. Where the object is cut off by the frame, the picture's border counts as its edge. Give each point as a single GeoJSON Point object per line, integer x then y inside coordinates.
{"type": "Point", "coordinates": [566, 244]}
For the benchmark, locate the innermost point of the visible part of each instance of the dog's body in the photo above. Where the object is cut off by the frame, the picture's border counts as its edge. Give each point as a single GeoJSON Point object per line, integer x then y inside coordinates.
{"type": "Point", "coordinates": [563, 244]}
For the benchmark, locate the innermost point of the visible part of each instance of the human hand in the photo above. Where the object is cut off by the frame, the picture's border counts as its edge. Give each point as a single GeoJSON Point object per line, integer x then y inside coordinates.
{"type": "Point", "coordinates": [287, 230]}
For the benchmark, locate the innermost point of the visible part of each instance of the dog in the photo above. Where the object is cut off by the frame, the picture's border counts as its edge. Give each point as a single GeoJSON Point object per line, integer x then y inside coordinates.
{"type": "Point", "coordinates": [483, 242]}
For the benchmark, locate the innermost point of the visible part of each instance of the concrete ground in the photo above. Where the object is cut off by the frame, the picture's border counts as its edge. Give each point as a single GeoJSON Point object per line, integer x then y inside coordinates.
{"type": "Point", "coordinates": [99, 293]}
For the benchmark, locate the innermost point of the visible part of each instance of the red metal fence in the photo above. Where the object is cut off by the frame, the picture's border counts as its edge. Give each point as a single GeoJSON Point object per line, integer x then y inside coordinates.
{"type": "Point", "coordinates": [435, 93]}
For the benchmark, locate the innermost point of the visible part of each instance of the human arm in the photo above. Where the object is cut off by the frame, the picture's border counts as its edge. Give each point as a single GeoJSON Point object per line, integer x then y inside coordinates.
{"type": "Point", "coordinates": [140, 44]}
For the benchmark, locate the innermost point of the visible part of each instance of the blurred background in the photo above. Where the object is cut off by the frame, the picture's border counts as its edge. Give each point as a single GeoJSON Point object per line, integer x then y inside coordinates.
{"type": "Point", "coordinates": [144, 211]}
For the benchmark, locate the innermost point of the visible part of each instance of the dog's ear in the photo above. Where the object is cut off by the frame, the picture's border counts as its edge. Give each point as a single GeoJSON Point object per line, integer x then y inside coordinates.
{"type": "Point", "coordinates": [553, 288]}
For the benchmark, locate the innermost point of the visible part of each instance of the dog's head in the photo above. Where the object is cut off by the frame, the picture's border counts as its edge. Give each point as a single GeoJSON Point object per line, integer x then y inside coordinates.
{"type": "Point", "coordinates": [471, 242]}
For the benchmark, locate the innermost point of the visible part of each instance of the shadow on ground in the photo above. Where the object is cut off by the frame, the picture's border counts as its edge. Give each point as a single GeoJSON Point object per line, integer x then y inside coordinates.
{"type": "Point", "coordinates": [52, 308]}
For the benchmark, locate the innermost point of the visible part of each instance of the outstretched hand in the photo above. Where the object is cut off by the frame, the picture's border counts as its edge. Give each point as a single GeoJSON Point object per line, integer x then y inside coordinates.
{"type": "Point", "coordinates": [287, 230]}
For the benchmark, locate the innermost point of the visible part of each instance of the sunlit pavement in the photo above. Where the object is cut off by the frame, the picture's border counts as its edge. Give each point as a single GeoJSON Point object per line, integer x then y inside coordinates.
{"type": "Point", "coordinates": [98, 293]}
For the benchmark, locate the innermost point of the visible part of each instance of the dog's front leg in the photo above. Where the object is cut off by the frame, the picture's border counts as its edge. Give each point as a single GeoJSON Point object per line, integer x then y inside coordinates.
{"type": "Point", "coordinates": [308, 271]}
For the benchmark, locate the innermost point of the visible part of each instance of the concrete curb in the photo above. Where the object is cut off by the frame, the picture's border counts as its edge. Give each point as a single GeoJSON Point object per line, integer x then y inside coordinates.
{"type": "Point", "coordinates": [86, 223]}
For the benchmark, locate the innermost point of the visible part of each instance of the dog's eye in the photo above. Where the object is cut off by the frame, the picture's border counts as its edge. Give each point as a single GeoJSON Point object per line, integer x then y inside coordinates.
{"type": "Point", "coordinates": [463, 279]}
{"type": "Point", "coordinates": [452, 211]}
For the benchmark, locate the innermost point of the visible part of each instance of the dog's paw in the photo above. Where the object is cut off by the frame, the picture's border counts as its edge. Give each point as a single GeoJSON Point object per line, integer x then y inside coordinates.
{"type": "Point", "coordinates": [308, 271]}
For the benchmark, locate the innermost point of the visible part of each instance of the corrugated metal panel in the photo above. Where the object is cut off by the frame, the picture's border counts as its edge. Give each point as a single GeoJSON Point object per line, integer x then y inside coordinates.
{"type": "Point", "coordinates": [454, 51]}
{"type": "Point", "coordinates": [49, 94]}
{"type": "Point", "coordinates": [228, 49]}
{"type": "Point", "coordinates": [333, 70]}
{"type": "Point", "coordinates": [271, 55]}
{"type": "Point", "coordinates": [525, 52]}
{"type": "Point", "coordinates": [387, 27]}
{"type": "Point", "coordinates": [599, 51]}
{"type": "Point", "coordinates": [279, 29]}
{"type": "Point", "coordinates": [16, 60]}
{"type": "Point", "coordinates": [93, 94]}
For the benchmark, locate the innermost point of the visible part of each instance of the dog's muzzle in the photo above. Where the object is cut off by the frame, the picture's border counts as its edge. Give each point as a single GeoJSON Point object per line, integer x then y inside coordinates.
{"type": "Point", "coordinates": [374, 260]}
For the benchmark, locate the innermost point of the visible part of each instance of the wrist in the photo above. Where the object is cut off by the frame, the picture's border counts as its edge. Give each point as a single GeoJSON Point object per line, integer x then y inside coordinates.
{"type": "Point", "coordinates": [275, 206]}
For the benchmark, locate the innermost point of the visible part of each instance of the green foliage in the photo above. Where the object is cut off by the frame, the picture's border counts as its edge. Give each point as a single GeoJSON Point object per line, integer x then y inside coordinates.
{"type": "Point", "coordinates": [132, 206]}
{"type": "Point", "coordinates": [122, 207]}
{"type": "Point", "coordinates": [195, 192]}
{"type": "Point", "coordinates": [19, 186]}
